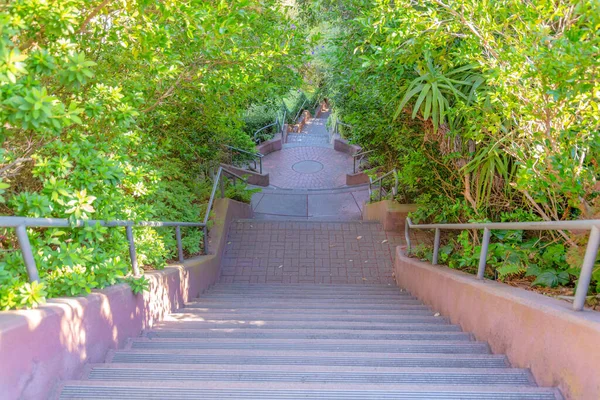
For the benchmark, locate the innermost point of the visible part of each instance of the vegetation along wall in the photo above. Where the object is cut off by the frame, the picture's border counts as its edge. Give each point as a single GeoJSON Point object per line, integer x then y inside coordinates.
{"type": "Point", "coordinates": [490, 110]}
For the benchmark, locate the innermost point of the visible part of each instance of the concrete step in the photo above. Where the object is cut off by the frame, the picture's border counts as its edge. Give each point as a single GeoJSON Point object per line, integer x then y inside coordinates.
{"type": "Point", "coordinates": [307, 374]}
{"type": "Point", "coordinates": [400, 311]}
{"type": "Point", "coordinates": [313, 345]}
{"type": "Point", "coordinates": [196, 321]}
{"type": "Point", "coordinates": [116, 390]}
{"type": "Point", "coordinates": [325, 297]}
{"type": "Point", "coordinates": [191, 314]}
{"type": "Point", "coordinates": [180, 323]}
{"type": "Point", "coordinates": [405, 305]}
{"type": "Point", "coordinates": [305, 288]}
{"type": "Point", "coordinates": [168, 332]}
{"type": "Point", "coordinates": [304, 303]}
{"type": "Point", "coordinates": [317, 357]}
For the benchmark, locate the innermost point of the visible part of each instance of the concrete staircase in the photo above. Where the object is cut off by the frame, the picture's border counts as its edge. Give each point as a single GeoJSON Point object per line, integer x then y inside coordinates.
{"type": "Point", "coordinates": [305, 341]}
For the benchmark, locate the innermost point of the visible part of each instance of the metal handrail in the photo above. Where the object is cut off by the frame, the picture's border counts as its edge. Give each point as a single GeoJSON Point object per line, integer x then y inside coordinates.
{"type": "Point", "coordinates": [255, 156]}
{"type": "Point", "coordinates": [262, 129]}
{"type": "Point", "coordinates": [585, 277]}
{"type": "Point", "coordinates": [336, 124]}
{"type": "Point", "coordinates": [301, 109]}
{"type": "Point", "coordinates": [380, 182]}
{"type": "Point", "coordinates": [22, 223]}
{"type": "Point", "coordinates": [360, 156]}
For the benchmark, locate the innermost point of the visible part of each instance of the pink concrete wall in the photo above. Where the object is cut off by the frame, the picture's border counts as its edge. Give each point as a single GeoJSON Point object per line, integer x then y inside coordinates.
{"type": "Point", "coordinates": [391, 214]}
{"type": "Point", "coordinates": [357, 179]}
{"type": "Point", "coordinates": [560, 346]}
{"type": "Point", "coordinates": [272, 145]}
{"type": "Point", "coordinates": [39, 348]}
{"type": "Point", "coordinates": [253, 178]}
{"type": "Point", "coordinates": [342, 145]}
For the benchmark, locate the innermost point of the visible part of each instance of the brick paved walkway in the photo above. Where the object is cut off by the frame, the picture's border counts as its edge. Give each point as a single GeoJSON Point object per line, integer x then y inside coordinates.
{"type": "Point", "coordinates": [308, 252]}
{"type": "Point", "coordinates": [288, 168]}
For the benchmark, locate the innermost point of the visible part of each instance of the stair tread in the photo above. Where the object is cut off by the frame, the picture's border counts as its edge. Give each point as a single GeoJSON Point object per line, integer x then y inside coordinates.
{"type": "Point", "coordinates": [479, 357]}
{"type": "Point", "coordinates": [315, 307]}
{"type": "Point", "coordinates": [309, 325]}
{"type": "Point", "coordinates": [362, 346]}
{"type": "Point", "coordinates": [398, 312]}
{"type": "Point", "coordinates": [245, 390]}
{"type": "Point", "coordinates": [306, 368]}
{"type": "Point", "coordinates": [308, 334]}
{"type": "Point", "coordinates": [288, 317]}
{"type": "Point", "coordinates": [372, 375]}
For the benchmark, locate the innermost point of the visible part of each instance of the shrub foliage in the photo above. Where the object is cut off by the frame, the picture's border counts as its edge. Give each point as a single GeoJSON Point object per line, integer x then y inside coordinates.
{"type": "Point", "coordinates": [118, 110]}
{"type": "Point", "coordinates": [490, 110]}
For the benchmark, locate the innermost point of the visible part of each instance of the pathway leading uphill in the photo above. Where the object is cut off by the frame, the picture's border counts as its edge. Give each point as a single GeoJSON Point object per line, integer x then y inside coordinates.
{"type": "Point", "coordinates": [306, 308]}
{"type": "Point", "coordinates": [308, 180]}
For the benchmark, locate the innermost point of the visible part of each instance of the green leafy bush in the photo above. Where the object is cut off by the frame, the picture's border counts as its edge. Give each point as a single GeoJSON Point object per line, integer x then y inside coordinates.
{"type": "Point", "coordinates": [484, 120]}
{"type": "Point", "coordinates": [118, 111]}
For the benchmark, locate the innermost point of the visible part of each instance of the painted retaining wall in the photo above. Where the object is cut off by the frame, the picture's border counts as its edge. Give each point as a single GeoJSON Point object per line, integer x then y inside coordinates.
{"type": "Point", "coordinates": [359, 178]}
{"type": "Point", "coordinates": [272, 145]}
{"type": "Point", "coordinates": [39, 348]}
{"type": "Point", "coordinates": [391, 214]}
{"type": "Point", "coordinates": [253, 178]}
{"type": "Point", "coordinates": [560, 346]}
{"type": "Point", "coordinates": [342, 145]}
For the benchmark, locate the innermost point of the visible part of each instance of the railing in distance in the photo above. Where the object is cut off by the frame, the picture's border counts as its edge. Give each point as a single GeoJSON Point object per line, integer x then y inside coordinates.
{"type": "Point", "coordinates": [22, 223]}
{"type": "Point", "coordinates": [255, 158]}
{"type": "Point", "coordinates": [589, 260]}
{"type": "Point", "coordinates": [358, 159]}
{"type": "Point", "coordinates": [378, 182]}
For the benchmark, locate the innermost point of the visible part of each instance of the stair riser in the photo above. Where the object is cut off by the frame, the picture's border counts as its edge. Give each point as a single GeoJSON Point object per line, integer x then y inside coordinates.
{"type": "Point", "coordinates": [303, 335]}
{"type": "Point", "coordinates": [307, 297]}
{"type": "Point", "coordinates": [278, 306]}
{"type": "Point", "coordinates": [121, 390]}
{"type": "Point", "coordinates": [285, 318]}
{"type": "Point", "coordinates": [323, 313]}
{"type": "Point", "coordinates": [309, 361]}
{"type": "Point", "coordinates": [265, 325]}
{"type": "Point", "coordinates": [304, 304]}
{"type": "Point", "coordinates": [448, 378]}
{"type": "Point", "coordinates": [270, 347]}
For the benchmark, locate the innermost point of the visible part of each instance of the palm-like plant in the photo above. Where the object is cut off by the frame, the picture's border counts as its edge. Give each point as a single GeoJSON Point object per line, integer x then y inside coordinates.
{"type": "Point", "coordinates": [435, 91]}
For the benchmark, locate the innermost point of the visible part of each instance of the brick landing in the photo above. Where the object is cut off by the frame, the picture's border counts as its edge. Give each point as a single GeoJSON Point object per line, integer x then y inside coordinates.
{"type": "Point", "coordinates": [308, 252]}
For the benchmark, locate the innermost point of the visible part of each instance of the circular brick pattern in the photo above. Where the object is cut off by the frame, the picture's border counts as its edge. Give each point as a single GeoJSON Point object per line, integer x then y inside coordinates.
{"type": "Point", "coordinates": [295, 168]}
{"type": "Point", "coordinates": [307, 167]}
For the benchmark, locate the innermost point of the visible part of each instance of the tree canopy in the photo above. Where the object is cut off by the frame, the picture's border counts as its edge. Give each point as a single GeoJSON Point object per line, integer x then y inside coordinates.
{"type": "Point", "coordinates": [117, 110]}
{"type": "Point", "coordinates": [490, 110]}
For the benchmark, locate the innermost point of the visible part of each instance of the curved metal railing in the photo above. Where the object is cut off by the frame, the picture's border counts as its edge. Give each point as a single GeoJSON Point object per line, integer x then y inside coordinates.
{"type": "Point", "coordinates": [20, 224]}
{"type": "Point", "coordinates": [378, 184]}
{"type": "Point", "coordinates": [589, 260]}
{"type": "Point", "coordinates": [254, 158]}
{"type": "Point", "coordinates": [358, 158]}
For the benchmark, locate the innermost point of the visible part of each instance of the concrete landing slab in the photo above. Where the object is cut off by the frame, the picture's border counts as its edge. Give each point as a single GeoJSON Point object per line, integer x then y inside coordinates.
{"type": "Point", "coordinates": [342, 205]}
{"type": "Point", "coordinates": [282, 204]}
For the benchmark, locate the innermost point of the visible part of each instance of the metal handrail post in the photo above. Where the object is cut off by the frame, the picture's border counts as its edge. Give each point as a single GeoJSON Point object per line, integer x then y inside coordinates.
{"type": "Point", "coordinates": [407, 234]}
{"type": "Point", "coordinates": [260, 162]}
{"type": "Point", "coordinates": [587, 268]}
{"type": "Point", "coordinates": [205, 240]}
{"type": "Point", "coordinates": [484, 251]}
{"type": "Point", "coordinates": [436, 246]}
{"type": "Point", "coordinates": [179, 244]}
{"type": "Point", "coordinates": [222, 187]}
{"type": "Point", "coordinates": [27, 252]}
{"type": "Point", "coordinates": [132, 255]}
